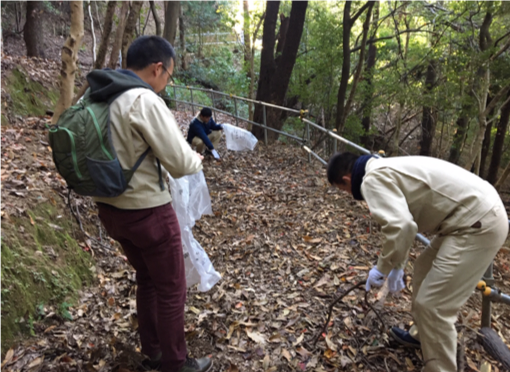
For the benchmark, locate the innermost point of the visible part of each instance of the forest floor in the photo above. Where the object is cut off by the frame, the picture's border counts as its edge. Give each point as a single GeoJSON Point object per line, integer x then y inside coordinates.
{"type": "Point", "coordinates": [285, 243]}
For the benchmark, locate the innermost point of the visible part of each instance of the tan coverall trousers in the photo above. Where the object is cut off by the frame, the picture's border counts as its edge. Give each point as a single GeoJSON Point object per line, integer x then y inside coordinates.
{"type": "Point", "coordinates": [215, 137]}
{"type": "Point", "coordinates": [445, 275]}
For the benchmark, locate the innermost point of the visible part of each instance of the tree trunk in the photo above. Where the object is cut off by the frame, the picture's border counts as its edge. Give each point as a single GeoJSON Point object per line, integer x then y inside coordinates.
{"type": "Point", "coordinates": [108, 22]}
{"type": "Point", "coordinates": [69, 59]}
{"type": "Point", "coordinates": [486, 142]}
{"type": "Point", "coordinates": [503, 177]}
{"type": "Point", "coordinates": [182, 39]}
{"type": "Point", "coordinates": [485, 148]}
{"type": "Point", "coordinates": [119, 33]}
{"type": "Point", "coordinates": [1, 33]}
{"type": "Point", "coordinates": [274, 79]}
{"type": "Point", "coordinates": [369, 74]}
{"type": "Point", "coordinates": [251, 95]}
{"type": "Point", "coordinates": [157, 20]}
{"type": "Point", "coordinates": [33, 30]}
{"type": "Point", "coordinates": [484, 73]}
{"type": "Point", "coordinates": [428, 124]}
{"type": "Point", "coordinates": [129, 31]}
{"type": "Point", "coordinates": [247, 37]}
{"type": "Point", "coordinates": [92, 32]}
{"type": "Point", "coordinates": [499, 141]}
{"type": "Point", "coordinates": [171, 16]}
{"type": "Point", "coordinates": [348, 22]}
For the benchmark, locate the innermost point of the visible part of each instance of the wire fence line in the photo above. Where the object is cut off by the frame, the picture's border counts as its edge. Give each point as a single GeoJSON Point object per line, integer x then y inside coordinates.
{"type": "Point", "coordinates": [318, 141]}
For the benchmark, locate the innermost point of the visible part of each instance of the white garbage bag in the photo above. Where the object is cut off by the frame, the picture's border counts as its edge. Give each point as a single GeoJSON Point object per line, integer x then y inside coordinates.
{"type": "Point", "coordinates": [238, 139]}
{"type": "Point", "coordinates": [190, 200]}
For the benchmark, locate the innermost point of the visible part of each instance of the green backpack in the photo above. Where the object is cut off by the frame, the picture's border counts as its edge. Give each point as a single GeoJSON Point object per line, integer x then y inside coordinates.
{"type": "Point", "coordinates": [83, 151]}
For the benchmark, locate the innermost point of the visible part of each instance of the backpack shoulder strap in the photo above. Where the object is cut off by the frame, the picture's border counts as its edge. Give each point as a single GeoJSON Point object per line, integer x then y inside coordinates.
{"type": "Point", "coordinates": [139, 161]}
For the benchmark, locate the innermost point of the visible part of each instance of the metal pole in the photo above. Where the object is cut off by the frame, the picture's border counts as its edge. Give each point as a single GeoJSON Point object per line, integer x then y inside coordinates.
{"type": "Point", "coordinates": [235, 108]}
{"type": "Point", "coordinates": [192, 105]}
{"type": "Point", "coordinates": [308, 141]}
{"type": "Point", "coordinates": [335, 144]}
{"type": "Point", "coordinates": [486, 302]}
{"type": "Point", "coordinates": [212, 98]}
{"type": "Point", "coordinates": [265, 125]}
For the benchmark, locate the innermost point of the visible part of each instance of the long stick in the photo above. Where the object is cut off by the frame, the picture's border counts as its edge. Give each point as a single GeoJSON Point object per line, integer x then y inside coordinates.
{"type": "Point", "coordinates": [330, 311]}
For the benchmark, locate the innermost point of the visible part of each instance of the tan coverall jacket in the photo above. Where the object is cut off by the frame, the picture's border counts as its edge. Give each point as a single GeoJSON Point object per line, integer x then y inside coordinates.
{"type": "Point", "coordinates": [414, 194]}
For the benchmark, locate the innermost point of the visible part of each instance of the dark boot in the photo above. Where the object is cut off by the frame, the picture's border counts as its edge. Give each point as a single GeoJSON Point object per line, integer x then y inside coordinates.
{"type": "Point", "coordinates": [404, 338]}
{"type": "Point", "coordinates": [197, 365]}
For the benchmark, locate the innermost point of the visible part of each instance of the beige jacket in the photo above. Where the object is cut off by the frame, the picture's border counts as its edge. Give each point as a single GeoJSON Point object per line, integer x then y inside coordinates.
{"type": "Point", "coordinates": [140, 119]}
{"type": "Point", "coordinates": [412, 194]}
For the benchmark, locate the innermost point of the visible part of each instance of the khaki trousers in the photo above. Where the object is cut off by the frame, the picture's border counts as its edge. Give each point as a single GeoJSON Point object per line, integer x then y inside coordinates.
{"type": "Point", "coordinates": [215, 137]}
{"type": "Point", "coordinates": [445, 275]}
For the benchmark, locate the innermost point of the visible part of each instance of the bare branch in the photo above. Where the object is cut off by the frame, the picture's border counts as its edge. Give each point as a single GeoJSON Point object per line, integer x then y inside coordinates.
{"type": "Point", "coordinates": [356, 16]}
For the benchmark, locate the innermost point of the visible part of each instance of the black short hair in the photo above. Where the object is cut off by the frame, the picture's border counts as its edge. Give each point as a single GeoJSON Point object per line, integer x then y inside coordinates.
{"type": "Point", "coordinates": [340, 165]}
{"type": "Point", "coordinates": [206, 112]}
{"type": "Point", "coordinates": [146, 50]}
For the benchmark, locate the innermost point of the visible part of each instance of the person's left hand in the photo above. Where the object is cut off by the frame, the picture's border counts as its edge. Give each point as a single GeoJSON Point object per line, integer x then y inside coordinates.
{"type": "Point", "coordinates": [396, 280]}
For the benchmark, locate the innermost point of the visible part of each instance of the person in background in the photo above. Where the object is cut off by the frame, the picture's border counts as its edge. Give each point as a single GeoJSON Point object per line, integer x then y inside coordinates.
{"type": "Point", "coordinates": [204, 133]}
{"type": "Point", "coordinates": [412, 194]}
{"type": "Point", "coordinates": [142, 219]}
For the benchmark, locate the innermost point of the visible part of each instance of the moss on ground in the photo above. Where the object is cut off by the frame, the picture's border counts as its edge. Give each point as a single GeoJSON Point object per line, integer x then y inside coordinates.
{"type": "Point", "coordinates": [41, 265]}
{"type": "Point", "coordinates": [29, 98]}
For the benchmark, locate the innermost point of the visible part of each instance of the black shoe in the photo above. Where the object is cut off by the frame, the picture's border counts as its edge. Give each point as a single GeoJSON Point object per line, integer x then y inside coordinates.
{"type": "Point", "coordinates": [197, 365]}
{"type": "Point", "coordinates": [404, 338]}
{"type": "Point", "coordinates": [151, 365]}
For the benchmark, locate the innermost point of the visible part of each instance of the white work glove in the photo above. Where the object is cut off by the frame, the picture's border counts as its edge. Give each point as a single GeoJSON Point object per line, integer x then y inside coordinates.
{"type": "Point", "coordinates": [215, 154]}
{"type": "Point", "coordinates": [375, 278]}
{"type": "Point", "coordinates": [396, 280]}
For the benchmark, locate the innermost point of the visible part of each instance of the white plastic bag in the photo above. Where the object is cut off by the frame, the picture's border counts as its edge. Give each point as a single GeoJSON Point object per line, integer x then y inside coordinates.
{"type": "Point", "coordinates": [190, 200]}
{"type": "Point", "coordinates": [239, 139]}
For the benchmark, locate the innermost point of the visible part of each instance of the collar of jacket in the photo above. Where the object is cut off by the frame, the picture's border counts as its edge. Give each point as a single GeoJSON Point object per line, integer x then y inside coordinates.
{"type": "Point", "coordinates": [358, 172]}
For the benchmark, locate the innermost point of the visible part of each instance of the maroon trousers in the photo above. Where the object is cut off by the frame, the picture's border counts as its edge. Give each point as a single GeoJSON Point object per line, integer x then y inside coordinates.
{"type": "Point", "coordinates": [151, 240]}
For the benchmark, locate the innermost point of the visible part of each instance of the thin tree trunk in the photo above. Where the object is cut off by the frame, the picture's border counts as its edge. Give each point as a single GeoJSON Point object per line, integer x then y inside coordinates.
{"type": "Point", "coordinates": [171, 16]}
{"type": "Point", "coordinates": [157, 20]}
{"type": "Point", "coordinates": [252, 71]}
{"type": "Point", "coordinates": [369, 74]}
{"type": "Point", "coordinates": [32, 31]}
{"type": "Point", "coordinates": [119, 33]}
{"type": "Point", "coordinates": [1, 33]}
{"type": "Point", "coordinates": [69, 59]}
{"type": "Point", "coordinates": [486, 142]}
{"type": "Point", "coordinates": [129, 31]}
{"type": "Point", "coordinates": [348, 22]}
{"type": "Point", "coordinates": [89, 7]}
{"type": "Point", "coordinates": [182, 39]}
{"type": "Point", "coordinates": [247, 37]}
{"type": "Point", "coordinates": [499, 141]}
{"type": "Point", "coordinates": [99, 19]}
{"type": "Point", "coordinates": [108, 22]}
{"type": "Point", "coordinates": [460, 135]}
{"type": "Point", "coordinates": [503, 177]}
{"type": "Point", "coordinates": [428, 124]}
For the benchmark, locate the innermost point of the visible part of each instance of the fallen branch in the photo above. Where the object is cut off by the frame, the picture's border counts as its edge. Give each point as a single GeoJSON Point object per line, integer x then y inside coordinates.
{"type": "Point", "coordinates": [330, 309]}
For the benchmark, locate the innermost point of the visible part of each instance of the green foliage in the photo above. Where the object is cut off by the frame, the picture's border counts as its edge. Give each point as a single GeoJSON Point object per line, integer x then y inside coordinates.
{"type": "Point", "coordinates": [40, 265]}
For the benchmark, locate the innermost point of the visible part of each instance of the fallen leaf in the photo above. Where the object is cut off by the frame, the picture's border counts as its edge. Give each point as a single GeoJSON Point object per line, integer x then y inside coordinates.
{"type": "Point", "coordinates": [8, 357]}
{"type": "Point", "coordinates": [256, 336]}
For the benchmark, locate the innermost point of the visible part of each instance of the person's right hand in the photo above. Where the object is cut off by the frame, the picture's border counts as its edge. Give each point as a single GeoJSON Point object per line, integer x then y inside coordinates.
{"type": "Point", "coordinates": [215, 154]}
{"type": "Point", "coordinates": [199, 155]}
{"type": "Point", "coordinates": [375, 278]}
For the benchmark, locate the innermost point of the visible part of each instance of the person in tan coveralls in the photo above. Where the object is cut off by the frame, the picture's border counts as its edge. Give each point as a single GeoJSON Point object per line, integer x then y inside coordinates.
{"type": "Point", "coordinates": [412, 194]}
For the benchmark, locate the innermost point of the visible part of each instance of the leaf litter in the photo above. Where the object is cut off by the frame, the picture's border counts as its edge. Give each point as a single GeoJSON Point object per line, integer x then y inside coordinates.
{"type": "Point", "coordinates": [286, 245]}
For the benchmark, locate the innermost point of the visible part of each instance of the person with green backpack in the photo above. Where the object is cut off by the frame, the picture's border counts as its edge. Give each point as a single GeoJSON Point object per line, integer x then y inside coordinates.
{"type": "Point", "coordinates": [112, 145]}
